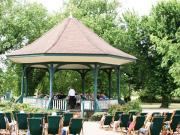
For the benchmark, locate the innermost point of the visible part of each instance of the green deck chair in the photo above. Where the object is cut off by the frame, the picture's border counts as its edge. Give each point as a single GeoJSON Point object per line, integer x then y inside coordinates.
{"type": "Point", "coordinates": [53, 124]}
{"type": "Point", "coordinates": [8, 116]}
{"type": "Point", "coordinates": [177, 112]}
{"type": "Point", "coordinates": [131, 113]}
{"type": "Point", "coordinates": [14, 114]}
{"type": "Point", "coordinates": [3, 125]}
{"type": "Point", "coordinates": [75, 126]}
{"type": "Point", "coordinates": [139, 122]}
{"type": "Point", "coordinates": [67, 117]}
{"type": "Point", "coordinates": [168, 116]}
{"type": "Point", "coordinates": [143, 114]}
{"type": "Point", "coordinates": [38, 115]}
{"type": "Point", "coordinates": [156, 126]}
{"type": "Point", "coordinates": [22, 121]}
{"type": "Point", "coordinates": [35, 126]}
{"type": "Point", "coordinates": [124, 120]}
{"type": "Point", "coordinates": [175, 122]}
{"type": "Point", "coordinates": [108, 120]}
{"type": "Point", "coordinates": [116, 116]}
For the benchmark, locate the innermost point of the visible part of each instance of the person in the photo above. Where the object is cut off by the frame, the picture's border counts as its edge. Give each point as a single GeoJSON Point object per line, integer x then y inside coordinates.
{"type": "Point", "coordinates": [72, 98]}
{"type": "Point", "coordinates": [78, 99]}
{"type": "Point", "coordinates": [166, 127]}
{"type": "Point", "coordinates": [132, 124]}
{"type": "Point", "coordinates": [103, 119]}
{"type": "Point", "coordinates": [55, 96]}
{"type": "Point", "coordinates": [61, 96]}
{"type": "Point", "coordinates": [83, 96]}
{"type": "Point", "coordinates": [98, 96]}
{"type": "Point", "coordinates": [177, 132]}
{"type": "Point", "coordinates": [117, 123]}
{"type": "Point", "coordinates": [146, 127]}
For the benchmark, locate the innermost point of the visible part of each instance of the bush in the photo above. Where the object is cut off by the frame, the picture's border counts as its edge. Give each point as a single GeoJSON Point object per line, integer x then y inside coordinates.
{"type": "Point", "coordinates": [97, 116]}
{"type": "Point", "coordinates": [10, 106]}
{"type": "Point", "coordinates": [132, 105]}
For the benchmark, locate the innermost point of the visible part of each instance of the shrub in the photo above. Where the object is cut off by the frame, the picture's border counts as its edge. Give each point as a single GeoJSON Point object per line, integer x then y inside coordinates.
{"type": "Point", "coordinates": [132, 105]}
{"type": "Point", "coordinates": [96, 116]}
{"type": "Point", "coordinates": [10, 106]}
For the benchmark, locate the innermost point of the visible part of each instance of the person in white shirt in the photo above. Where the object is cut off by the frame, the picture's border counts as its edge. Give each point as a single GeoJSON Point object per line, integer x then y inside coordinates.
{"type": "Point", "coordinates": [71, 92]}
{"type": "Point", "coordinates": [72, 98]}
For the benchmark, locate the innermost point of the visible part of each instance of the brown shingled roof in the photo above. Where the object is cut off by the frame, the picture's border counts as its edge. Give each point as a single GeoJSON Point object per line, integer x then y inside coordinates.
{"type": "Point", "coordinates": [69, 37]}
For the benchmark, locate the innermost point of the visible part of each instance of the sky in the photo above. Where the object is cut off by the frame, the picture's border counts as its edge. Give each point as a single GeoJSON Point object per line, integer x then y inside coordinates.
{"type": "Point", "coordinates": [142, 7]}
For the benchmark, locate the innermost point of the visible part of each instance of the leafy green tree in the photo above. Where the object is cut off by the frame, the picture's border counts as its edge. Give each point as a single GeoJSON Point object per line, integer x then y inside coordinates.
{"type": "Point", "coordinates": [166, 40]}
{"type": "Point", "coordinates": [165, 19]}
{"type": "Point", "coordinates": [20, 24]}
{"type": "Point", "coordinates": [145, 37]}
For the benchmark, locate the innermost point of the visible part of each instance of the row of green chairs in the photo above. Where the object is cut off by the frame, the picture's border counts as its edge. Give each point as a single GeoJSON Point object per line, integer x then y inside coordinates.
{"type": "Point", "coordinates": [155, 127]}
{"type": "Point", "coordinates": [53, 121]}
{"type": "Point", "coordinates": [3, 124]}
{"type": "Point", "coordinates": [125, 121]}
{"type": "Point", "coordinates": [130, 114]}
{"type": "Point", "coordinates": [35, 126]}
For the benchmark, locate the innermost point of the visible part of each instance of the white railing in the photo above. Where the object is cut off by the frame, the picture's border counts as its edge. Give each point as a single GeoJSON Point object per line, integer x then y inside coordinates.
{"type": "Point", "coordinates": [60, 104]}
{"type": "Point", "coordinates": [87, 105]}
{"type": "Point", "coordinates": [105, 104]}
{"type": "Point", "coordinates": [36, 102]}
{"type": "Point", "coordinates": [102, 104]}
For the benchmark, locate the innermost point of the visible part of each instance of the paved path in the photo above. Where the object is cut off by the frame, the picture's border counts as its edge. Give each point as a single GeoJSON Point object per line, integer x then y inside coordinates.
{"type": "Point", "coordinates": [157, 110]}
{"type": "Point", "coordinates": [92, 128]}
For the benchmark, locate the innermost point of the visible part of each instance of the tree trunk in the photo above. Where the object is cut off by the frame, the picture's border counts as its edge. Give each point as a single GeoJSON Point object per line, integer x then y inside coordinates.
{"type": "Point", "coordinates": [165, 102]}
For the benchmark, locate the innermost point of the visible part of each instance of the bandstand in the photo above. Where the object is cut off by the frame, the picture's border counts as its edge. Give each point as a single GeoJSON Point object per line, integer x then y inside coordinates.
{"type": "Point", "coordinates": [70, 45]}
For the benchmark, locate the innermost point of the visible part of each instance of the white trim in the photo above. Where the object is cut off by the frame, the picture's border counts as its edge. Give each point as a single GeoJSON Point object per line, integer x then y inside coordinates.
{"type": "Point", "coordinates": [94, 59]}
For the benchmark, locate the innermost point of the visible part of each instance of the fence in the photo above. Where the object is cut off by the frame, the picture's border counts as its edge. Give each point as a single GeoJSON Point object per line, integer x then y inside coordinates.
{"type": "Point", "coordinates": [36, 102]}
{"type": "Point", "coordinates": [60, 104]}
{"type": "Point", "coordinates": [102, 104]}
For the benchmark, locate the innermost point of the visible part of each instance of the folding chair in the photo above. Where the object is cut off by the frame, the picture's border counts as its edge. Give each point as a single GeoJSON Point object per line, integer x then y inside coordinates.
{"type": "Point", "coordinates": [35, 126]}
{"type": "Point", "coordinates": [21, 122]}
{"type": "Point", "coordinates": [131, 113]}
{"type": "Point", "coordinates": [156, 126]}
{"type": "Point", "coordinates": [67, 117]}
{"type": "Point", "coordinates": [3, 125]}
{"type": "Point", "coordinates": [54, 124]}
{"type": "Point", "coordinates": [175, 121]}
{"type": "Point", "coordinates": [75, 126]}
{"type": "Point", "coordinates": [108, 120]}
{"type": "Point", "coordinates": [124, 121]}
{"type": "Point", "coordinates": [116, 116]}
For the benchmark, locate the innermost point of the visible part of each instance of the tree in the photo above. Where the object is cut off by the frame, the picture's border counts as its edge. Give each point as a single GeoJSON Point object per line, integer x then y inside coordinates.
{"type": "Point", "coordinates": [151, 77]}
{"type": "Point", "coordinates": [20, 24]}
{"type": "Point", "coordinates": [165, 19]}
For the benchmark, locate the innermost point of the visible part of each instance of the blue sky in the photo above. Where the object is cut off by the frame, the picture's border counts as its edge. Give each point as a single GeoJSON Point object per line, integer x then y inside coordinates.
{"type": "Point", "coordinates": [142, 7]}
